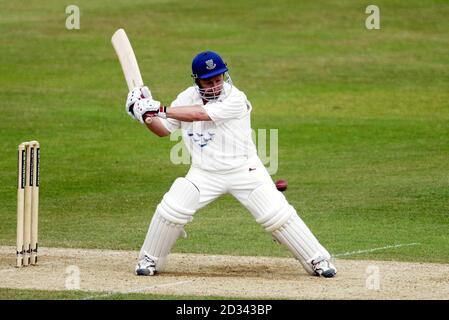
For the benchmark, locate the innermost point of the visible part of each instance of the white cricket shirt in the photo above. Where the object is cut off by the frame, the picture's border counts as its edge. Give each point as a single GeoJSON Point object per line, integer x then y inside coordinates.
{"type": "Point", "coordinates": [223, 144]}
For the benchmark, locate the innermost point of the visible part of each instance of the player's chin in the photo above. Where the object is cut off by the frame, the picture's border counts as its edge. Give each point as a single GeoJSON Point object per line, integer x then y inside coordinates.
{"type": "Point", "coordinates": [212, 95]}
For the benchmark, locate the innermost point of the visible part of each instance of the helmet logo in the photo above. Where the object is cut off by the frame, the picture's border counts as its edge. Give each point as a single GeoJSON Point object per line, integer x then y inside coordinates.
{"type": "Point", "coordinates": [210, 64]}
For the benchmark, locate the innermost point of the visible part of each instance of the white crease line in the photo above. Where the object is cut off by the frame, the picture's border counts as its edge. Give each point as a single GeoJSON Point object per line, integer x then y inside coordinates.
{"type": "Point", "coordinates": [140, 289]}
{"type": "Point", "coordinates": [375, 249]}
{"type": "Point", "coordinates": [8, 270]}
{"type": "Point", "coordinates": [30, 267]}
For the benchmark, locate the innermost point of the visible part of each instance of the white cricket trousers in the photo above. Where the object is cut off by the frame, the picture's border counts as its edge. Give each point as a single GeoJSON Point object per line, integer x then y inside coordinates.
{"type": "Point", "coordinates": [240, 183]}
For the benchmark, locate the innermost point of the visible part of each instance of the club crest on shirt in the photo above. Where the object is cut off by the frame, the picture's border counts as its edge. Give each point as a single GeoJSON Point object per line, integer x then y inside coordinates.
{"type": "Point", "coordinates": [201, 139]}
{"type": "Point", "coordinates": [210, 64]}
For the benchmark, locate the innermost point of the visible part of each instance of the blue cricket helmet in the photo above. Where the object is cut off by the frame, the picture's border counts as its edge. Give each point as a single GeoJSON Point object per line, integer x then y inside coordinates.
{"type": "Point", "coordinates": [207, 64]}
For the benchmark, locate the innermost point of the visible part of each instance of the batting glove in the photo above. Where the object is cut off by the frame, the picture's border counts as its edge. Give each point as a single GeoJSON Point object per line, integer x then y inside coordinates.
{"type": "Point", "coordinates": [133, 96]}
{"type": "Point", "coordinates": [161, 113]}
{"type": "Point", "coordinates": [144, 108]}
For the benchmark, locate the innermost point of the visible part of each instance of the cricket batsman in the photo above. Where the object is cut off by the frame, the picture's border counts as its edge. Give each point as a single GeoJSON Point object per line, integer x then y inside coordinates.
{"type": "Point", "coordinates": [214, 117]}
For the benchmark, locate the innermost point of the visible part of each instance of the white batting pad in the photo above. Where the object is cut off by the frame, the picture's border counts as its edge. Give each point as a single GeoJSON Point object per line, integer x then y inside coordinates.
{"type": "Point", "coordinates": [172, 214]}
{"type": "Point", "coordinates": [276, 215]}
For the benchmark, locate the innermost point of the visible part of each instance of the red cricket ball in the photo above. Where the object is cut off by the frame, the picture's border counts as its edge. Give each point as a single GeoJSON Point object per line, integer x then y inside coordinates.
{"type": "Point", "coordinates": [281, 185]}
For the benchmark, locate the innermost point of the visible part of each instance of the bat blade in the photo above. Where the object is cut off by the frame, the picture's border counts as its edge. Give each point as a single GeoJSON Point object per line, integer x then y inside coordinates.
{"type": "Point", "coordinates": [127, 59]}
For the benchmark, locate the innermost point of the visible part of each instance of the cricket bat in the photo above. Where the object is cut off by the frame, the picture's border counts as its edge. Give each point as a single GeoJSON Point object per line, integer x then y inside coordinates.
{"type": "Point", "coordinates": [127, 59]}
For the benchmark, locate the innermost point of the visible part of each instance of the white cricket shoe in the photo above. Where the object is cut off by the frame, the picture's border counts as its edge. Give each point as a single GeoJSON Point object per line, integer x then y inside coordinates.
{"type": "Point", "coordinates": [323, 267]}
{"type": "Point", "coordinates": [146, 267]}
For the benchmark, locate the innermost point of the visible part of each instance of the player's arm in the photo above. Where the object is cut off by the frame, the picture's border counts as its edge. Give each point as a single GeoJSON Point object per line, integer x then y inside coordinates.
{"type": "Point", "coordinates": [156, 126]}
{"type": "Point", "coordinates": [180, 113]}
{"type": "Point", "coordinates": [188, 113]}
{"type": "Point", "coordinates": [142, 107]}
{"type": "Point", "coordinates": [144, 110]}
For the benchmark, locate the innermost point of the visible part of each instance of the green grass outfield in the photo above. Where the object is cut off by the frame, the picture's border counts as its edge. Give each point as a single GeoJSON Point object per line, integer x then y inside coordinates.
{"type": "Point", "coordinates": [16, 294]}
{"type": "Point", "coordinates": [363, 120]}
